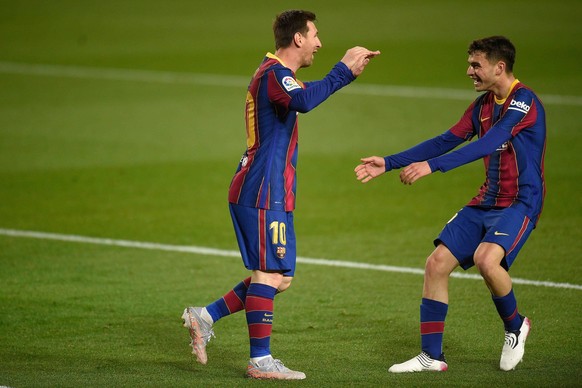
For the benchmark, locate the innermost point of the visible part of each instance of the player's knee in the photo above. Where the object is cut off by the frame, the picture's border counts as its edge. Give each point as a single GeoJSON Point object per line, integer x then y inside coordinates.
{"type": "Point", "coordinates": [439, 264]}
{"type": "Point", "coordinates": [484, 264]}
{"type": "Point", "coordinates": [433, 266]}
{"type": "Point", "coordinates": [285, 284]}
{"type": "Point", "coordinates": [487, 258]}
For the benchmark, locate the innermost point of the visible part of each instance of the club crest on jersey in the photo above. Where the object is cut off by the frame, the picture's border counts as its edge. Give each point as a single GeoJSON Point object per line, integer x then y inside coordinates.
{"type": "Point", "coordinates": [290, 83]}
{"type": "Point", "coordinates": [281, 252]}
{"type": "Point", "coordinates": [244, 160]}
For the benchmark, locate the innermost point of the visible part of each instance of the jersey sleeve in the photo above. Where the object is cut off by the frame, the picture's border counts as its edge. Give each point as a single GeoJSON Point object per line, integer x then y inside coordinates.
{"type": "Point", "coordinates": [423, 151]}
{"type": "Point", "coordinates": [462, 131]}
{"type": "Point", "coordinates": [288, 92]}
{"type": "Point", "coordinates": [511, 123]}
{"type": "Point", "coordinates": [464, 128]}
{"type": "Point", "coordinates": [520, 114]}
{"type": "Point", "coordinates": [281, 84]}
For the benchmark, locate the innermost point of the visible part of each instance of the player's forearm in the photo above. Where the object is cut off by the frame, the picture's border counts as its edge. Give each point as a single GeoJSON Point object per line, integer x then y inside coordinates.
{"type": "Point", "coordinates": [318, 91]}
{"type": "Point", "coordinates": [471, 152]}
{"type": "Point", "coordinates": [426, 150]}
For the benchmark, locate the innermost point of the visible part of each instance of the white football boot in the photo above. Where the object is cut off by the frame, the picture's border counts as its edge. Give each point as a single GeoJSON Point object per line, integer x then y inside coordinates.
{"type": "Point", "coordinates": [421, 363]}
{"type": "Point", "coordinates": [200, 332]}
{"type": "Point", "coordinates": [272, 369]}
{"type": "Point", "coordinates": [514, 346]}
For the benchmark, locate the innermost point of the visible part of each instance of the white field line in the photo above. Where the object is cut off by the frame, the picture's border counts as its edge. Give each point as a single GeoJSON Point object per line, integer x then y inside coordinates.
{"type": "Point", "coordinates": [169, 77]}
{"type": "Point", "coordinates": [228, 253]}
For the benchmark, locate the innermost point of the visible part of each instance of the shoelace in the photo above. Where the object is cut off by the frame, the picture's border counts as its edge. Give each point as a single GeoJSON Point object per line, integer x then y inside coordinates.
{"type": "Point", "coordinates": [425, 359]}
{"type": "Point", "coordinates": [207, 335]}
{"type": "Point", "coordinates": [279, 365]}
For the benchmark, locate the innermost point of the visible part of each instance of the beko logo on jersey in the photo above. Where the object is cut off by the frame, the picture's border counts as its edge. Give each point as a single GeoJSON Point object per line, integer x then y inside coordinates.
{"type": "Point", "coordinates": [289, 83]}
{"type": "Point", "coordinates": [519, 105]}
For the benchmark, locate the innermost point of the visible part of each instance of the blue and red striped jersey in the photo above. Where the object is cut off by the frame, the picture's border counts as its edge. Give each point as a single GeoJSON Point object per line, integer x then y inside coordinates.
{"type": "Point", "coordinates": [512, 142]}
{"type": "Point", "coordinates": [265, 177]}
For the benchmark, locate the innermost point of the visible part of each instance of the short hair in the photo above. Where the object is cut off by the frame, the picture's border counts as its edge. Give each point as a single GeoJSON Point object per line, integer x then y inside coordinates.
{"type": "Point", "coordinates": [495, 48]}
{"type": "Point", "coordinates": [288, 23]}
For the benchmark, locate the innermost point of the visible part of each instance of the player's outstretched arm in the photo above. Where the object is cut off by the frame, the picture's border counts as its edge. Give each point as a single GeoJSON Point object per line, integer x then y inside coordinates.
{"type": "Point", "coordinates": [357, 58]}
{"type": "Point", "coordinates": [370, 168]}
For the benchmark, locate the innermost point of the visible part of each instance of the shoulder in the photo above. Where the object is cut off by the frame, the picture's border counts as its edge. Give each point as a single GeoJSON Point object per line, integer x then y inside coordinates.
{"type": "Point", "coordinates": [522, 98]}
{"type": "Point", "coordinates": [270, 65]}
{"type": "Point", "coordinates": [284, 76]}
{"type": "Point", "coordinates": [522, 92]}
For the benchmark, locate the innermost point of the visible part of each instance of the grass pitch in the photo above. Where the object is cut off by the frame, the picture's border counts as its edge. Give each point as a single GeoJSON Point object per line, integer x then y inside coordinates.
{"type": "Point", "coordinates": [124, 120]}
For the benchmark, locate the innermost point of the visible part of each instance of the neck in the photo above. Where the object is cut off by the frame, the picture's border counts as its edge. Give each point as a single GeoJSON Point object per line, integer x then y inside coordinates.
{"type": "Point", "coordinates": [503, 86]}
{"type": "Point", "coordinates": [288, 58]}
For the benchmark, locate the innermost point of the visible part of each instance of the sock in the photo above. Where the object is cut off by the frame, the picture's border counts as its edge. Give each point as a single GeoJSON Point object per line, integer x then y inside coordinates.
{"type": "Point", "coordinates": [259, 310]}
{"type": "Point", "coordinates": [231, 302]}
{"type": "Point", "coordinates": [432, 326]}
{"type": "Point", "coordinates": [507, 309]}
{"type": "Point", "coordinates": [256, 360]}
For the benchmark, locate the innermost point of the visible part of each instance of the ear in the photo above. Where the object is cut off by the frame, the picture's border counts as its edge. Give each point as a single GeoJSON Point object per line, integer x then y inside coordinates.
{"type": "Point", "coordinates": [298, 39]}
{"type": "Point", "coordinates": [500, 68]}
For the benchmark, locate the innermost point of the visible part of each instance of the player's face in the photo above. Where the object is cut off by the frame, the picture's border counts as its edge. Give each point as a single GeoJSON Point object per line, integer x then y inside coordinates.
{"type": "Point", "coordinates": [311, 44]}
{"type": "Point", "coordinates": [483, 73]}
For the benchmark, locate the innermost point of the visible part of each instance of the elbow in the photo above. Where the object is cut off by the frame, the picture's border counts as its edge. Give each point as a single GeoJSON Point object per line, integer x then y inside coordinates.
{"type": "Point", "coordinates": [301, 107]}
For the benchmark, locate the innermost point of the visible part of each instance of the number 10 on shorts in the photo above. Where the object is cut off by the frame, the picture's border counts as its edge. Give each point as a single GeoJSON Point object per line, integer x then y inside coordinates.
{"type": "Point", "coordinates": [278, 233]}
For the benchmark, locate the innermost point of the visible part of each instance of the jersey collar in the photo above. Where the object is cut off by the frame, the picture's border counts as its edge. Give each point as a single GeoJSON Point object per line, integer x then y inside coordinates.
{"type": "Point", "coordinates": [273, 56]}
{"type": "Point", "coordinates": [502, 101]}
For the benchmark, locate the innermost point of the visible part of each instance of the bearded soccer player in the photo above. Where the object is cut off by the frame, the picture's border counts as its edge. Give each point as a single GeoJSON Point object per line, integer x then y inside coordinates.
{"type": "Point", "coordinates": [262, 192]}
{"type": "Point", "coordinates": [510, 123]}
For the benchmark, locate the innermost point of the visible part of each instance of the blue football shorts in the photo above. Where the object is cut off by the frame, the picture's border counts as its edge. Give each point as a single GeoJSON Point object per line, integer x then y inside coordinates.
{"type": "Point", "coordinates": [472, 225]}
{"type": "Point", "coordinates": [266, 238]}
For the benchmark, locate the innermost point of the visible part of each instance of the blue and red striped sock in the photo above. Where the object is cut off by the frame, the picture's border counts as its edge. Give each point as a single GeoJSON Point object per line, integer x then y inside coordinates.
{"type": "Point", "coordinates": [259, 310]}
{"type": "Point", "coordinates": [507, 309]}
{"type": "Point", "coordinates": [232, 302]}
{"type": "Point", "coordinates": [432, 326]}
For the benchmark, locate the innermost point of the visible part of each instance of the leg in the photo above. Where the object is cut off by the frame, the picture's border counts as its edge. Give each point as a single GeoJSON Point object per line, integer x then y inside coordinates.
{"type": "Point", "coordinates": [488, 261]}
{"type": "Point", "coordinates": [266, 240]}
{"type": "Point", "coordinates": [488, 258]}
{"type": "Point", "coordinates": [438, 267]}
{"type": "Point", "coordinates": [434, 306]}
{"type": "Point", "coordinates": [199, 320]}
{"type": "Point", "coordinates": [433, 311]}
{"type": "Point", "coordinates": [259, 311]}
{"type": "Point", "coordinates": [232, 302]}
{"type": "Point", "coordinates": [259, 308]}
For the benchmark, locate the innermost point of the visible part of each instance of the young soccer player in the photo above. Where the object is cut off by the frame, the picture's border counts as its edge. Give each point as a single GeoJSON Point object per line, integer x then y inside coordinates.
{"type": "Point", "coordinates": [510, 122]}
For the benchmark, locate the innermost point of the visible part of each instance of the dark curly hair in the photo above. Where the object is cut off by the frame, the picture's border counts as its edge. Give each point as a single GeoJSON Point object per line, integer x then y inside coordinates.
{"type": "Point", "coordinates": [495, 48]}
{"type": "Point", "coordinates": [288, 23]}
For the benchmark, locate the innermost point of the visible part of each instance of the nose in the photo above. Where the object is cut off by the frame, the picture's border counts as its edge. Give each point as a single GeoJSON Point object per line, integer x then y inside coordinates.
{"type": "Point", "coordinates": [470, 71]}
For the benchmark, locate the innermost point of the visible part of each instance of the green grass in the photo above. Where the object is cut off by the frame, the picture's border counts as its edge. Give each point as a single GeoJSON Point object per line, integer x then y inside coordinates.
{"type": "Point", "coordinates": [151, 162]}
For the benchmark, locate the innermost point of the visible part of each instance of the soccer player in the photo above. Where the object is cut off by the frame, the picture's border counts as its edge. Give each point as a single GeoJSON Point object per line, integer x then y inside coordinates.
{"type": "Point", "coordinates": [510, 123]}
{"type": "Point", "coordinates": [262, 192]}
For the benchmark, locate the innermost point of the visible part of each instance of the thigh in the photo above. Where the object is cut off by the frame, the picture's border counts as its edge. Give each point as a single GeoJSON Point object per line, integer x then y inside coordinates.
{"type": "Point", "coordinates": [266, 238]}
